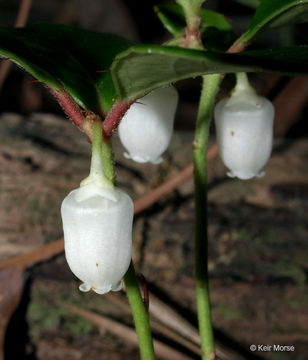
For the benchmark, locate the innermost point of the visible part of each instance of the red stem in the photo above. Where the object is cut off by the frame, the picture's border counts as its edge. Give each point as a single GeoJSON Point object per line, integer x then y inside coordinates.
{"type": "Point", "coordinates": [70, 107]}
{"type": "Point", "coordinates": [115, 115]}
{"type": "Point", "coordinates": [237, 47]}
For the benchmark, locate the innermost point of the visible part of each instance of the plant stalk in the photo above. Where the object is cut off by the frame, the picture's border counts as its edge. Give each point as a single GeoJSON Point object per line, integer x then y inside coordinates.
{"type": "Point", "coordinates": [192, 12]}
{"type": "Point", "coordinates": [96, 169]}
{"type": "Point", "coordinates": [209, 91]}
{"type": "Point", "coordinates": [207, 101]}
{"type": "Point", "coordinates": [140, 315]}
{"type": "Point", "coordinates": [107, 157]}
{"type": "Point", "coordinates": [138, 308]}
{"type": "Point", "coordinates": [70, 107]}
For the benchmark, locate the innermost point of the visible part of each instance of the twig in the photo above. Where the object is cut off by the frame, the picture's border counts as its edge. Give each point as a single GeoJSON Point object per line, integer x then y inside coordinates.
{"type": "Point", "coordinates": [42, 253]}
{"type": "Point", "coordinates": [169, 317]}
{"type": "Point", "coordinates": [164, 314]}
{"type": "Point", "coordinates": [126, 333]}
{"type": "Point", "coordinates": [170, 185]}
{"type": "Point", "coordinates": [23, 13]}
{"type": "Point", "coordinates": [166, 321]}
{"type": "Point", "coordinates": [172, 325]}
{"type": "Point", "coordinates": [21, 20]}
{"type": "Point", "coordinates": [164, 330]}
{"type": "Point", "coordinates": [173, 320]}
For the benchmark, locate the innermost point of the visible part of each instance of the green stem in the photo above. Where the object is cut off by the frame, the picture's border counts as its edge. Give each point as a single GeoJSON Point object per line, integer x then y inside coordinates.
{"type": "Point", "coordinates": [209, 91]}
{"type": "Point", "coordinates": [107, 157]}
{"type": "Point", "coordinates": [207, 101]}
{"type": "Point", "coordinates": [140, 314]}
{"type": "Point", "coordinates": [139, 311]}
{"type": "Point", "coordinates": [242, 81]}
{"type": "Point", "coordinates": [96, 169]}
{"type": "Point", "coordinates": [243, 88]}
{"type": "Point", "coordinates": [192, 12]}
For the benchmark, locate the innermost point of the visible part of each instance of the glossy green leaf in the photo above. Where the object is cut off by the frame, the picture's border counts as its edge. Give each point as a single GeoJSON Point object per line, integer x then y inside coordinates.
{"type": "Point", "coordinates": [274, 13]}
{"type": "Point", "coordinates": [172, 17]}
{"type": "Point", "coordinates": [214, 19]}
{"type": "Point", "coordinates": [141, 69]}
{"type": "Point", "coordinates": [65, 56]}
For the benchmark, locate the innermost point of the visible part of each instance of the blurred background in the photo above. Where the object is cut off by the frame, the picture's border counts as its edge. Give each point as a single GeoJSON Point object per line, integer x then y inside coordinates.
{"type": "Point", "coordinates": [258, 228]}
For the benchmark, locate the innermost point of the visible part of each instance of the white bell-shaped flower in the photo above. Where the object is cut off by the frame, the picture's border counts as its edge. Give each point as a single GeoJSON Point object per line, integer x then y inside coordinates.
{"type": "Point", "coordinates": [97, 223]}
{"type": "Point", "coordinates": [146, 129]}
{"type": "Point", "coordinates": [244, 127]}
{"type": "Point", "coordinates": [98, 236]}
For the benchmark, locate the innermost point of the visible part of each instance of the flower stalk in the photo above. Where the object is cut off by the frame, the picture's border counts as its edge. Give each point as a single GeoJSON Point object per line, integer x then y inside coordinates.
{"type": "Point", "coordinates": [138, 308]}
{"type": "Point", "coordinates": [96, 169]}
{"type": "Point", "coordinates": [207, 100]}
{"type": "Point", "coordinates": [107, 159]}
{"type": "Point", "coordinates": [97, 224]}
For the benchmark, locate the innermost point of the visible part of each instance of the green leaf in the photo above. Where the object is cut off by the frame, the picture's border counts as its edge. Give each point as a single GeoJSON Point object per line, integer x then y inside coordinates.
{"type": "Point", "coordinates": [214, 19]}
{"type": "Point", "coordinates": [142, 69]}
{"type": "Point", "coordinates": [274, 13]}
{"type": "Point", "coordinates": [173, 19]}
{"type": "Point", "coordinates": [65, 56]}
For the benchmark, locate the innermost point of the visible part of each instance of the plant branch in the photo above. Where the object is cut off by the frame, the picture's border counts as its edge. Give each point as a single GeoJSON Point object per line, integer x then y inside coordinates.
{"type": "Point", "coordinates": [191, 10]}
{"type": "Point", "coordinates": [140, 315]}
{"type": "Point", "coordinates": [164, 351]}
{"type": "Point", "coordinates": [115, 115]}
{"type": "Point", "coordinates": [23, 13]}
{"type": "Point", "coordinates": [207, 101]}
{"type": "Point", "coordinates": [237, 47]}
{"type": "Point", "coordinates": [70, 107]}
{"type": "Point", "coordinates": [209, 91]}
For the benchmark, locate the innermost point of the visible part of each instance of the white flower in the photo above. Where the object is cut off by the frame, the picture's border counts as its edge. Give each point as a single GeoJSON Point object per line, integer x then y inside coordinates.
{"type": "Point", "coordinates": [146, 129]}
{"type": "Point", "coordinates": [97, 224]}
{"type": "Point", "coordinates": [244, 126]}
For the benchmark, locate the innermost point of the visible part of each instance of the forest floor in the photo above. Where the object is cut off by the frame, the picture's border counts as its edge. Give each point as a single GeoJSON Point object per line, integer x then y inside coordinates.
{"type": "Point", "coordinates": [258, 254]}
